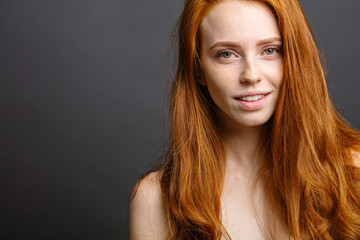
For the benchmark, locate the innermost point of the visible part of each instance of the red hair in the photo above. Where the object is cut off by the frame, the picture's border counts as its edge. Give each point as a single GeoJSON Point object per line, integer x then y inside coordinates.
{"type": "Point", "coordinates": [307, 157]}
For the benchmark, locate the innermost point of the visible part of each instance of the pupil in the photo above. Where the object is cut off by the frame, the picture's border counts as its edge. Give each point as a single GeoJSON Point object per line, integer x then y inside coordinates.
{"type": "Point", "coordinates": [270, 51]}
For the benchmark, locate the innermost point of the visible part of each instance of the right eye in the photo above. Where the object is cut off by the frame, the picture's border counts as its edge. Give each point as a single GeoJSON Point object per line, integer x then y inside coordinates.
{"type": "Point", "coordinates": [226, 54]}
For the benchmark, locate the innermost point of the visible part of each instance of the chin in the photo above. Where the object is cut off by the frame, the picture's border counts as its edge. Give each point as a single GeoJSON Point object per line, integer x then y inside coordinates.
{"type": "Point", "coordinates": [254, 120]}
{"type": "Point", "coordinates": [253, 123]}
{"type": "Point", "coordinates": [250, 120]}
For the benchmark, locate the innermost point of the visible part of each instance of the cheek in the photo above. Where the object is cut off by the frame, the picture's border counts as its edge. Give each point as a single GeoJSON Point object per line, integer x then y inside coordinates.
{"type": "Point", "coordinates": [274, 72]}
{"type": "Point", "coordinates": [217, 83]}
{"type": "Point", "coordinates": [219, 77]}
{"type": "Point", "coordinates": [280, 77]}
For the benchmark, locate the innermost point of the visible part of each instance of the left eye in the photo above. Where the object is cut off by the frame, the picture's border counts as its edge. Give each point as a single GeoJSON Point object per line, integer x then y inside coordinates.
{"type": "Point", "coordinates": [270, 51]}
{"type": "Point", "coordinates": [226, 55]}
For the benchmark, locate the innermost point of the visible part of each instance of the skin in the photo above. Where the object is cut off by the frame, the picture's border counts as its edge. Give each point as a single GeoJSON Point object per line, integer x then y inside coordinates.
{"type": "Point", "coordinates": [249, 61]}
{"type": "Point", "coordinates": [241, 56]}
{"type": "Point", "coordinates": [147, 213]}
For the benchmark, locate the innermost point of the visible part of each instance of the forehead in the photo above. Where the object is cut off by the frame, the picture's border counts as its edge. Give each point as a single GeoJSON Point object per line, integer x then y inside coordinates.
{"type": "Point", "coordinates": [239, 20]}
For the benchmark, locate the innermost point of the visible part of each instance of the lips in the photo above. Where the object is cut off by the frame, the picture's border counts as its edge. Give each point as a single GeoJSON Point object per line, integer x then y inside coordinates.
{"type": "Point", "coordinates": [252, 100]}
{"type": "Point", "coordinates": [250, 95]}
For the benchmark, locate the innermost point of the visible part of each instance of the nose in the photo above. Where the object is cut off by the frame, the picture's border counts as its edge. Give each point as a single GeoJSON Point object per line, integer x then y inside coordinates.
{"type": "Point", "coordinates": [249, 72]}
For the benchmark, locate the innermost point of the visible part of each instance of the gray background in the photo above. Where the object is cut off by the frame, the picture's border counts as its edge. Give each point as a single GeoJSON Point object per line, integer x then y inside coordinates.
{"type": "Point", "coordinates": [82, 85]}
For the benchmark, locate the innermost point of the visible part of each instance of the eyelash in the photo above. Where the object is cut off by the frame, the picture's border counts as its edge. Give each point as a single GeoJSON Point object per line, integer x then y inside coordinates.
{"type": "Point", "coordinates": [219, 55]}
{"type": "Point", "coordinates": [278, 50]}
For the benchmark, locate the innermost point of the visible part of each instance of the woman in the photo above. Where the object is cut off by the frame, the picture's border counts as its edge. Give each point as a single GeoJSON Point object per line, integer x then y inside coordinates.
{"type": "Point", "coordinates": [256, 149]}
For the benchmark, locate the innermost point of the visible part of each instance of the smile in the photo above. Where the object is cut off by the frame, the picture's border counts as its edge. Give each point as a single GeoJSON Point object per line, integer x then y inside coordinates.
{"type": "Point", "coordinates": [252, 101]}
{"type": "Point", "coordinates": [251, 98]}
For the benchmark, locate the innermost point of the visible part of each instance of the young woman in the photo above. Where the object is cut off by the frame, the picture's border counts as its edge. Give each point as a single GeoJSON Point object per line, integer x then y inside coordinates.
{"type": "Point", "coordinates": [256, 149]}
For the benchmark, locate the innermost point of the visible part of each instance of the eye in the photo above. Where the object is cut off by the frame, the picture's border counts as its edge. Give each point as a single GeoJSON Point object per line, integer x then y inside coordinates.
{"type": "Point", "coordinates": [225, 55]}
{"type": "Point", "coordinates": [270, 51]}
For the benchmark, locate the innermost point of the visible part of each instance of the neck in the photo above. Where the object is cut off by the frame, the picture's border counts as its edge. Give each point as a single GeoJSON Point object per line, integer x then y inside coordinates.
{"type": "Point", "coordinates": [242, 147]}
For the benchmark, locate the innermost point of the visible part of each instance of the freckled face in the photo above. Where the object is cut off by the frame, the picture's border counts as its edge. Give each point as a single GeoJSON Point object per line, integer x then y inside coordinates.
{"type": "Point", "coordinates": [242, 61]}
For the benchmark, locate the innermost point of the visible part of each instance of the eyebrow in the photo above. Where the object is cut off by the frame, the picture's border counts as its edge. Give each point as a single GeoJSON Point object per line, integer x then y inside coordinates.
{"type": "Point", "coordinates": [237, 45]}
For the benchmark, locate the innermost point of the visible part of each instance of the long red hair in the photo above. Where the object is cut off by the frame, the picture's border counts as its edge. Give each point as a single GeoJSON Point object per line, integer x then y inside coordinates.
{"type": "Point", "coordinates": [308, 166]}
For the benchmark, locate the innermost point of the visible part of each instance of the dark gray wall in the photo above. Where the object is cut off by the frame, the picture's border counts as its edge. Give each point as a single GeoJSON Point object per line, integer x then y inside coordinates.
{"type": "Point", "coordinates": [81, 104]}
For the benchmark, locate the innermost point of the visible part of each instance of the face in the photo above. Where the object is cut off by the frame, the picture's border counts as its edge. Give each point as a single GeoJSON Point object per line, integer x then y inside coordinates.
{"type": "Point", "coordinates": [241, 61]}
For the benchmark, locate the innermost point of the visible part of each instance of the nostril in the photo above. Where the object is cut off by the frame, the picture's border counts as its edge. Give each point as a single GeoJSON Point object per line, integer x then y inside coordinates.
{"type": "Point", "coordinates": [250, 78]}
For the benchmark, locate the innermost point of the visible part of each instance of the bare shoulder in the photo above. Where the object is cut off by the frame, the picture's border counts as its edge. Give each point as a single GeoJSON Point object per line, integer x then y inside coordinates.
{"type": "Point", "coordinates": [356, 158]}
{"type": "Point", "coordinates": [147, 212]}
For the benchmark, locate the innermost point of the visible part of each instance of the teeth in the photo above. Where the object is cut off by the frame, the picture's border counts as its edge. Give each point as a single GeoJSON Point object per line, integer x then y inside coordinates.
{"type": "Point", "coordinates": [252, 98]}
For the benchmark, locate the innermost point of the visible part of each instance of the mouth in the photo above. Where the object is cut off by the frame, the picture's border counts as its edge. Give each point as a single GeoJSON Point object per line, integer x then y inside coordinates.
{"type": "Point", "coordinates": [252, 101]}
{"type": "Point", "coordinates": [252, 98]}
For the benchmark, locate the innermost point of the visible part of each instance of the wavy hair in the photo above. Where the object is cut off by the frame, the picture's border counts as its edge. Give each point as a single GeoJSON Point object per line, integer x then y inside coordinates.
{"type": "Point", "coordinates": [307, 163]}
